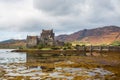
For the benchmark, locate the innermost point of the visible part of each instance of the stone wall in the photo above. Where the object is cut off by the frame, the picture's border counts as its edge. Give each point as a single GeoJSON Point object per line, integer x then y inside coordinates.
{"type": "Point", "coordinates": [32, 41]}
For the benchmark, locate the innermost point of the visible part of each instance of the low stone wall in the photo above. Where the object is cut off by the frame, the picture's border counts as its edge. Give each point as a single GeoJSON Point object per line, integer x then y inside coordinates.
{"type": "Point", "coordinates": [81, 50]}
{"type": "Point", "coordinates": [98, 48]}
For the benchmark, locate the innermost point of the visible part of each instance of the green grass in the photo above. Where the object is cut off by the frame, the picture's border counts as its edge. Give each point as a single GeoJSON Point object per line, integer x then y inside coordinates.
{"type": "Point", "coordinates": [46, 49]}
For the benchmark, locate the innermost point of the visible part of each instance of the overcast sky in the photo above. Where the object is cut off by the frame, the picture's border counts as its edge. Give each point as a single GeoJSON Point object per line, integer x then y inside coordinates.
{"type": "Point", "coordinates": [19, 18]}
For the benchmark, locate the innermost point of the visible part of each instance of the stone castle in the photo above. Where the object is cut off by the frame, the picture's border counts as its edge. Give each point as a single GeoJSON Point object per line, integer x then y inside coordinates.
{"type": "Point", "coordinates": [46, 38]}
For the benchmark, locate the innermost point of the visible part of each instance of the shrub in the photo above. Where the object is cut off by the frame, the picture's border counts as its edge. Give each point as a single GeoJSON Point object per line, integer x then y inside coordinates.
{"type": "Point", "coordinates": [55, 48]}
{"type": "Point", "coordinates": [40, 46]}
{"type": "Point", "coordinates": [116, 43]}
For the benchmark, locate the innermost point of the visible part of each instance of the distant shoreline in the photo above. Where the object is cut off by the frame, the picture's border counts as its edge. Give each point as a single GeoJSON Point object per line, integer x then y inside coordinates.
{"type": "Point", "coordinates": [61, 51]}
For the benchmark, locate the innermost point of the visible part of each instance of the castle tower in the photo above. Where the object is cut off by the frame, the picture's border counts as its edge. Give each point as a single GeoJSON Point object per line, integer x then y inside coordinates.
{"type": "Point", "coordinates": [47, 37]}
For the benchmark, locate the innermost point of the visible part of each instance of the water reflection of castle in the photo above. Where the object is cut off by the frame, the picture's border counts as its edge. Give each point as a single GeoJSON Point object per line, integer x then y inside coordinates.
{"type": "Point", "coordinates": [47, 38]}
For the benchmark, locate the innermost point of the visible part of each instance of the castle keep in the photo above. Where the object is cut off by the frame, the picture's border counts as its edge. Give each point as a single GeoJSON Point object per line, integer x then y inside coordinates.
{"type": "Point", "coordinates": [46, 38]}
{"type": "Point", "coordinates": [32, 41]}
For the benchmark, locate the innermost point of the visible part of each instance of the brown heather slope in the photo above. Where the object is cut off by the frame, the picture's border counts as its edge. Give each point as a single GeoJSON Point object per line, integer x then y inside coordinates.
{"type": "Point", "coordinates": [13, 44]}
{"type": "Point", "coordinates": [102, 35]}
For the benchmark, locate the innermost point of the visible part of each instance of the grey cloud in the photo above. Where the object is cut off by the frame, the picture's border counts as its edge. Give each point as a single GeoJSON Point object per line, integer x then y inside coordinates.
{"type": "Point", "coordinates": [82, 10]}
{"type": "Point", "coordinates": [75, 15]}
{"type": "Point", "coordinates": [11, 1]}
{"type": "Point", "coordinates": [65, 16]}
{"type": "Point", "coordinates": [34, 25]}
{"type": "Point", "coordinates": [57, 7]}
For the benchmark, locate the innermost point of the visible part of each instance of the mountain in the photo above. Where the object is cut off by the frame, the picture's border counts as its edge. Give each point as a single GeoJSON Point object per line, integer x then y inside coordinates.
{"type": "Point", "coordinates": [97, 36]}
{"type": "Point", "coordinates": [8, 41]}
{"type": "Point", "coordinates": [61, 37]}
{"type": "Point", "coordinates": [12, 43]}
{"type": "Point", "coordinates": [102, 35]}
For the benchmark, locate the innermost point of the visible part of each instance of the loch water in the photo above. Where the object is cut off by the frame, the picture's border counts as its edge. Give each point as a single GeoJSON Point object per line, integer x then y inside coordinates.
{"type": "Point", "coordinates": [18, 66]}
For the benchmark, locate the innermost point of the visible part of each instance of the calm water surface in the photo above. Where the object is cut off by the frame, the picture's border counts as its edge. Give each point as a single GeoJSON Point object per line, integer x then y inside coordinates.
{"type": "Point", "coordinates": [6, 56]}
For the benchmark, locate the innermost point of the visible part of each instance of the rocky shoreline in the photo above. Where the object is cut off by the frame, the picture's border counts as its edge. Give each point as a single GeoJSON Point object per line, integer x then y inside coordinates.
{"type": "Point", "coordinates": [108, 61]}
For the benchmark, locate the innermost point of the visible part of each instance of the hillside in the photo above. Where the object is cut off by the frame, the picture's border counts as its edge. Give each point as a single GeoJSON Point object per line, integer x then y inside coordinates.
{"type": "Point", "coordinates": [102, 35]}
{"type": "Point", "coordinates": [12, 43]}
